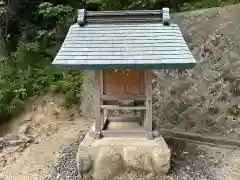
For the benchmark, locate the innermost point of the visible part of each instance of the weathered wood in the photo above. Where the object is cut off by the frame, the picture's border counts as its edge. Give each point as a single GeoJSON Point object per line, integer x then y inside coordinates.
{"type": "Point", "coordinates": [103, 112]}
{"type": "Point", "coordinates": [124, 119]}
{"type": "Point", "coordinates": [148, 102]}
{"type": "Point", "coordinates": [117, 86]}
{"type": "Point", "coordinates": [166, 137]}
{"type": "Point", "coordinates": [124, 13]}
{"type": "Point", "coordinates": [122, 20]}
{"type": "Point", "coordinates": [121, 82]}
{"type": "Point", "coordinates": [142, 83]}
{"type": "Point", "coordinates": [98, 102]}
{"type": "Point", "coordinates": [124, 16]}
{"type": "Point", "coordinates": [131, 81]}
{"type": "Point", "coordinates": [128, 103]}
{"type": "Point", "coordinates": [113, 82]}
{"type": "Point", "coordinates": [198, 137]}
{"type": "Point", "coordinates": [142, 91]}
{"type": "Point", "coordinates": [149, 135]}
{"type": "Point", "coordinates": [108, 97]}
{"type": "Point", "coordinates": [115, 107]}
{"type": "Point", "coordinates": [124, 133]}
{"type": "Point", "coordinates": [88, 95]}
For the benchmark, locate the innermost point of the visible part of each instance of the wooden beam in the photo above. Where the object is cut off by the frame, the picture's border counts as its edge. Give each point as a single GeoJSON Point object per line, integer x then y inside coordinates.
{"type": "Point", "coordinates": [124, 13]}
{"type": "Point", "coordinates": [124, 119]}
{"type": "Point", "coordinates": [198, 137]}
{"type": "Point", "coordinates": [113, 107]}
{"type": "Point", "coordinates": [107, 97]}
{"type": "Point", "coordinates": [125, 133]}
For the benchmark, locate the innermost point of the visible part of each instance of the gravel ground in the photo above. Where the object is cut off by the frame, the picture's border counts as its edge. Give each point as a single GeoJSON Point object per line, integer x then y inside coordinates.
{"type": "Point", "coordinates": [65, 167]}
{"type": "Point", "coordinates": [189, 162]}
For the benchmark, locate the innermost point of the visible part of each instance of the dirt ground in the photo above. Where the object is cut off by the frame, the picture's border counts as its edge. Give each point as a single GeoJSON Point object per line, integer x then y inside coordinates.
{"type": "Point", "coordinates": [56, 134]}
{"type": "Point", "coordinates": [51, 126]}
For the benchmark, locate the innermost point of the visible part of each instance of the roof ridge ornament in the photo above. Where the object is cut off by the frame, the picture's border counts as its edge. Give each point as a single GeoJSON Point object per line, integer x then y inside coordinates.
{"type": "Point", "coordinates": [81, 17]}
{"type": "Point", "coordinates": [165, 16]}
{"type": "Point", "coordinates": [132, 16]}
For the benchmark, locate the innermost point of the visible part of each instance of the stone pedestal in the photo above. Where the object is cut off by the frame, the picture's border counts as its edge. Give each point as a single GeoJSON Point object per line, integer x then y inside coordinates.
{"type": "Point", "coordinates": [108, 157]}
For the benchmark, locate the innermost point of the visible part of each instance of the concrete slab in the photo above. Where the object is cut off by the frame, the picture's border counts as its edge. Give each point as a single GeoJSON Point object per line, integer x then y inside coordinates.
{"type": "Point", "coordinates": [108, 157]}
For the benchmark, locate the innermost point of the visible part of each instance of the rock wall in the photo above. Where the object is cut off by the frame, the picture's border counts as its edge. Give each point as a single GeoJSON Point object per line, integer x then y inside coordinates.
{"type": "Point", "coordinates": [197, 100]}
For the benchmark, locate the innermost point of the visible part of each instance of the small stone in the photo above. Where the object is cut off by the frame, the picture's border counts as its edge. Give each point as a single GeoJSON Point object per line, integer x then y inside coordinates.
{"type": "Point", "coordinates": [15, 143]}
{"type": "Point", "coordinates": [11, 137]}
{"type": "Point", "coordinates": [58, 176]}
{"type": "Point", "coordinates": [25, 138]}
{"type": "Point", "coordinates": [24, 128]}
{"type": "Point", "coordinates": [156, 133]}
{"type": "Point", "coordinates": [2, 162]}
{"type": "Point", "coordinates": [150, 176]}
{"type": "Point", "coordinates": [185, 152]}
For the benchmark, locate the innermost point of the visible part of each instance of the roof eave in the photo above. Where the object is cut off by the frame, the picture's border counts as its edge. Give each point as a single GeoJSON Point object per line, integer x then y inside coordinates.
{"type": "Point", "coordinates": [127, 66]}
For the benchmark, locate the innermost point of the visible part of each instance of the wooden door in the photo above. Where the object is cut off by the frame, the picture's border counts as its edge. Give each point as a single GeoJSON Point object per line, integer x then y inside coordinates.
{"type": "Point", "coordinates": [121, 82]}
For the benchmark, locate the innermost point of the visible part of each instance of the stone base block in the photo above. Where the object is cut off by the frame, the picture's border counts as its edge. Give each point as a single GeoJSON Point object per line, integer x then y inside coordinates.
{"type": "Point", "coordinates": [108, 157]}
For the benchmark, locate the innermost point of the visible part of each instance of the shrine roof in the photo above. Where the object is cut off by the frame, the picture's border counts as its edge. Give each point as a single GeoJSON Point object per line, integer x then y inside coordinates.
{"type": "Point", "coordinates": [124, 40]}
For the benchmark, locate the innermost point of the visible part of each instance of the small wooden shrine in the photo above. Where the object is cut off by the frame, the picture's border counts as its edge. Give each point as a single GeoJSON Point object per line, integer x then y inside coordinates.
{"type": "Point", "coordinates": [123, 47]}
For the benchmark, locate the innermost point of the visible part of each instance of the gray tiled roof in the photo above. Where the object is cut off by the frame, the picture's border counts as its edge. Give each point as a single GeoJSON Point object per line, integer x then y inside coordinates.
{"type": "Point", "coordinates": [124, 45]}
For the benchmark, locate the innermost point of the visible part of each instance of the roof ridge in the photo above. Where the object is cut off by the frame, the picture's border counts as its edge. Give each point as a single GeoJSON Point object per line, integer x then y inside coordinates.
{"type": "Point", "coordinates": [123, 16]}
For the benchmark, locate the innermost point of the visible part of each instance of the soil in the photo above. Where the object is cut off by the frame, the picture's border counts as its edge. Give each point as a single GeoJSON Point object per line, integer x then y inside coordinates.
{"type": "Point", "coordinates": [56, 133]}
{"type": "Point", "coordinates": [51, 127]}
{"type": "Point", "coordinates": [189, 162]}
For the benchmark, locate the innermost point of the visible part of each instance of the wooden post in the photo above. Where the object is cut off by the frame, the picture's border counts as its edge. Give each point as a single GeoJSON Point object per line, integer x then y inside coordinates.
{"type": "Point", "coordinates": [142, 91]}
{"type": "Point", "coordinates": [148, 103]}
{"type": "Point", "coordinates": [102, 111]}
{"type": "Point", "coordinates": [98, 104]}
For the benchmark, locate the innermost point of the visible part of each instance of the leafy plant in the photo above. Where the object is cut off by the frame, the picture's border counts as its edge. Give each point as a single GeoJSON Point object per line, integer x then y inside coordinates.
{"type": "Point", "coordinates": [28, 71]}
{"type": "Point", "coordinates": [234, 110]}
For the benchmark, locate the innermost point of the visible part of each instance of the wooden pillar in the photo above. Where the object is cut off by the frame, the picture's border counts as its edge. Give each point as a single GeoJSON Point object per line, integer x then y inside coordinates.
{"type": "Point", "coordinates": [98, 114]}
{"type": "Point", "coordinates": [148, 103]}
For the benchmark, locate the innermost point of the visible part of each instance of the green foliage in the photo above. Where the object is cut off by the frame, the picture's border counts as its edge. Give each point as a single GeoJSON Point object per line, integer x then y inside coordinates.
{"type": "Point", "coordinates": [28, 72]}
{"type": "Point", "coordinates": [53, 16]}
{"type": "Point", "coordinates": [234, 110]}
{"type": "Point", "coordinates": [3, 11]}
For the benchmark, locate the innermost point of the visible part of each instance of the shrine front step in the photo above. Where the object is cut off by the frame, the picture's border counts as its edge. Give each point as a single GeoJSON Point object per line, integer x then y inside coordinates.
{"type": "Point", "coordinates": [112, 156]}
